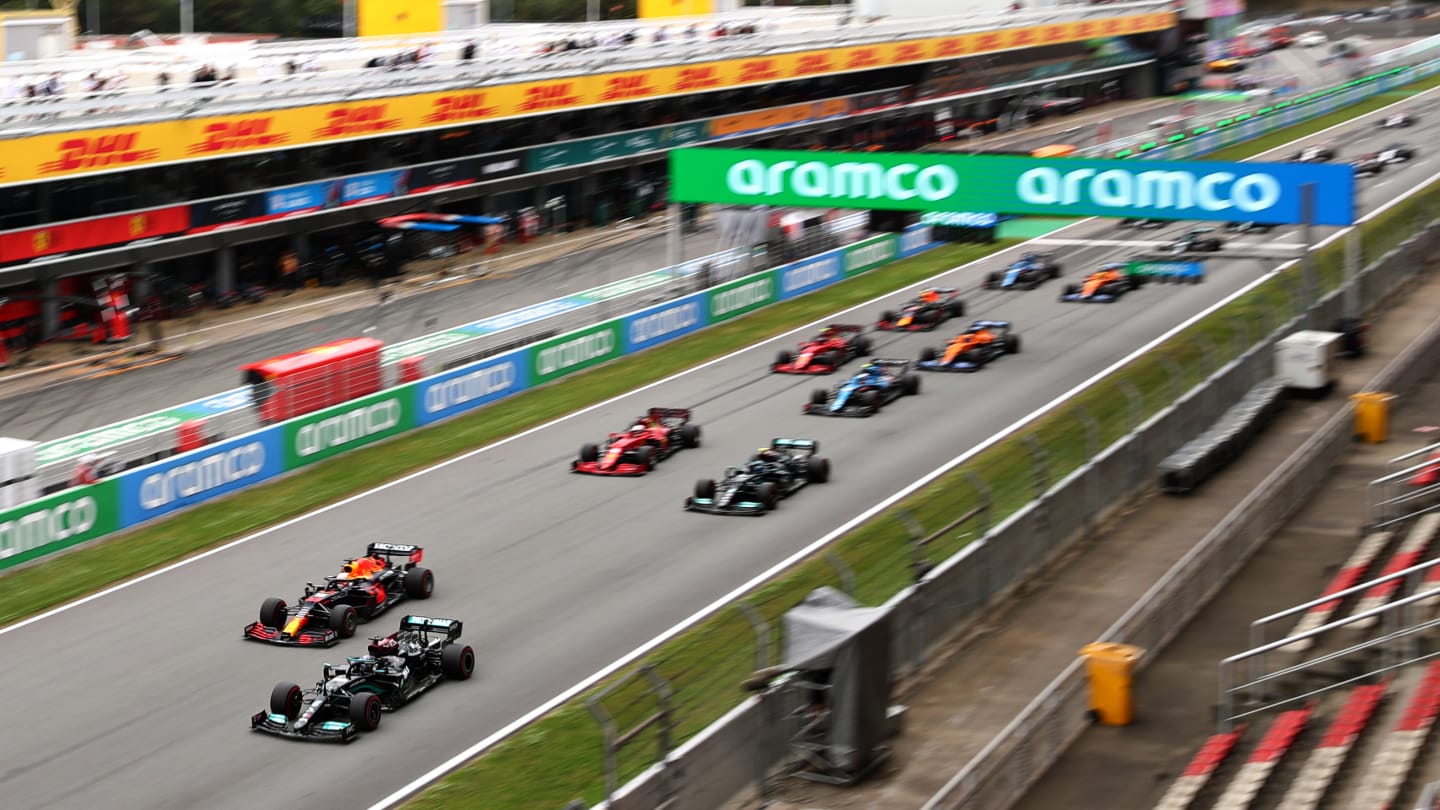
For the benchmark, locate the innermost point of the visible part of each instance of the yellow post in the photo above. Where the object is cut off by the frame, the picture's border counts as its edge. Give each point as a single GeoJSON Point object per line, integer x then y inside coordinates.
{"type": "Point", "coordinates": [1372, 416]}
{"type": "Point", "coordinates": [1109, 666]}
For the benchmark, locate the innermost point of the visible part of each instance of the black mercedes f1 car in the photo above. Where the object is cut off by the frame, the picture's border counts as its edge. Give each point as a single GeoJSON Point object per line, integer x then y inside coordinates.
{"type": "Point", "coordinates": [349, 699]}
{"type": "Point", "coordinates": [365, 587]}
{"type": "Point", "coordinates": [773, 473]}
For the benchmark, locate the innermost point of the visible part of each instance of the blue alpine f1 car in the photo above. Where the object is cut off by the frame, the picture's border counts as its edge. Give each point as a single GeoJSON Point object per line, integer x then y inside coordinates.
{"type": "Point", "coordinates": [879, 383]}
{"type": "Point", "coordinates": [1025, 274]}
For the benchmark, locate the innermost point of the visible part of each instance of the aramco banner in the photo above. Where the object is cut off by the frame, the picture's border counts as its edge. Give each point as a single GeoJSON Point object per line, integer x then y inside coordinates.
{"type": "Point", "coordinates": [1010, 184]}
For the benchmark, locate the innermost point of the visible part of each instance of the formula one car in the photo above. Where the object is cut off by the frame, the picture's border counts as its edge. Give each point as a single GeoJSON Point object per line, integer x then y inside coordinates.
{"type": "Point", "coordinates": [924, 312]}
{"type": "Point", "coordinates": [1318, 153]}
{"type": "Point", "coordinates": [1249, 227]}
{"type": "Point", "coordinates": [364, 588]}
{"type": "Point", "coordinates": [773, 473]}
{"type": "Point", "coordinates": [879, 383]}
{"type": "Point", "coordinates": [658, 435]}
{"type": "Point", "coordinates": [836, 345]}
{"type": "Point", "coordinates": [1142, 223]}
{"type": "Point", "coordinates": [1396, 153]}
{"type": "Point", "coordinates": [1103, 286]}
{"type": "Point", "coordinates": [972, 349]}
{"type": "Point", "coordinates": [1196, 240]}
{"type": "Point", "coordinates": [1025, 274]}
{"type": "Point", "coordinates": [349, 699]}
{"type": "Point", "coordinates": [1396, 120]}
{"type": "Point", "coordinates": [1367, 165]}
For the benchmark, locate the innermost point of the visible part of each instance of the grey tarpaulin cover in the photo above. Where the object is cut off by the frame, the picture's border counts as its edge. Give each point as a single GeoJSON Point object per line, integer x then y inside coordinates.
{"type": "Point", "coordinates": [830, 631]}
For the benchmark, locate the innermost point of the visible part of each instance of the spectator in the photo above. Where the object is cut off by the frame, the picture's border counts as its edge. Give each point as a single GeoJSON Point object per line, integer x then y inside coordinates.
{"type": "Point", "coordinates": [467, 53]}
{"type": "Point", "coordinates": [291, 67]}
{"type": "Point", "coordinates": [162, 79]}
{"type": "Point", "coordinates": [289, 265]}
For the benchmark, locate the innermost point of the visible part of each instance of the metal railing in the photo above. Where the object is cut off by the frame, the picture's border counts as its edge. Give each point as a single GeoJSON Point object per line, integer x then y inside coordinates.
{"type": "Point", "coordinates": [342, 76]}
{"type": "Point", "coordinates": [1392, 497]}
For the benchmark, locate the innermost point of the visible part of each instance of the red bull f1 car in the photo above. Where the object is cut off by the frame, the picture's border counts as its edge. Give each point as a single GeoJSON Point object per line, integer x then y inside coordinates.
{"type": "Point", "coordinates": [773, 473]}
{"type": "Point", "coordinates": [365, 587]}
{"type": "Point", "coordinates": [926, 311]}
{"type": "Point", "coordinates": [659, 434]}
{"type": "Point", "coordinates": [879, 383]}
{"type": "Point", "coordinates": [349, 699]}
{"type": "Point", "coordinates": [1103, 286]}
{"type": "Point", "coordinates": [836, 345]}
{"type": "Point", "coordinates": [972, 349]}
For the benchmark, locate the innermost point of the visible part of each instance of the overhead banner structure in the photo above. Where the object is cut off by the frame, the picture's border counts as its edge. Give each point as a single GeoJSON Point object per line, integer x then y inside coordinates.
{"type": "Point", "coordinates": [66, 154]}
{"type": "Point", "coordinates": [384, 18]}
{"type": "Point", "coordinates": [1009, 184]}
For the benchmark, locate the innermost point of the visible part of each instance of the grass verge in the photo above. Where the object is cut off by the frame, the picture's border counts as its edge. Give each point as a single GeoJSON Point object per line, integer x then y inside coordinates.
{"type": "Point", "coordinates": [706, 664]}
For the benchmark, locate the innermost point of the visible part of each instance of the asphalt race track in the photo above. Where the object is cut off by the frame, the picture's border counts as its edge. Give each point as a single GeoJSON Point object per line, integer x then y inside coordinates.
{"type": "Point", "coordinates": [141, 697]}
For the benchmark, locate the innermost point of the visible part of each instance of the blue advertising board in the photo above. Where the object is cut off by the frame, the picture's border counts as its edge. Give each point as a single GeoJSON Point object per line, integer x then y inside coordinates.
{"type": "Point", "coordinates": [653, 326]}
{"type": "Point", "coordinates": [297, 199]}
{"type": "Point", "coordinates": [199, 475]}
{"type": "Point", "coordinates": [810, 274]}
{"type": "Point", "coordinates": [471, 386]}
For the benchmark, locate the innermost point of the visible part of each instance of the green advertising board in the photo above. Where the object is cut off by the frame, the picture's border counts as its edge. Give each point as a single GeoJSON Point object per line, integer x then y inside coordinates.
{"type": "Point", "coordinates": [871, 253]}
{"type": "Point", "coordinates": [1011, 184]}
{"type": "Point", "coordinates": [567, 354]}
{"type": "Point", "coordinates": [59, 521]}
{"type": "Point", "coordinates": [609, 147]}
{"type": "Point", "coordinates": [735, 298]}
{"type": "Point", "coordinates": [337, 429]}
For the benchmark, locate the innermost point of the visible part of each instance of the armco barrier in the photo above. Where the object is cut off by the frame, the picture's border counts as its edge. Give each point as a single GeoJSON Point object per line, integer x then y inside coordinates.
{"type": "Point", "coordinates": [162, 487]}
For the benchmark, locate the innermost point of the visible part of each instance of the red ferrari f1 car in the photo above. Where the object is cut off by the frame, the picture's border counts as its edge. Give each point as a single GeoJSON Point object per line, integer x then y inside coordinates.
{"type": "Point", "coordinates": [657, 435]}
{"type": "Point", "coordinates": [836, 345]}
{"type": "Point", "coordinates": [364, 588]}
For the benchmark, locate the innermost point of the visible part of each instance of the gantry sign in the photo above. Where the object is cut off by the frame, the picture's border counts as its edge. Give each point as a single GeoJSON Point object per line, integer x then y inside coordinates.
{"type": "Point", "coordinates": [1009, 184]}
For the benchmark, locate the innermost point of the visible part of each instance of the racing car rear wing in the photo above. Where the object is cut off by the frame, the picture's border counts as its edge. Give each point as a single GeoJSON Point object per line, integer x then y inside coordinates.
{"type": "Point", "coordinates": [891, 362]}
{"type": "Point", "coordinates": [683, 414]}
{"type": "Point", "coordinates": [852, 328]}
{"type": "Point", "coordinates": [991, 324]}
{"type": "Point", "coordinates": [428, 624]}
{"type": "Point", "coordinates": [809, 445]}
{"type": "Point", "coordinates": [412, 554]}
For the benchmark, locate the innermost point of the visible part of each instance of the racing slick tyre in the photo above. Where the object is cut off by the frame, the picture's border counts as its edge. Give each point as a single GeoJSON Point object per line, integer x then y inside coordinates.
{"type": "Point", "coordinates": [690, 435]}
{"type": "Point", "coordinates": [972, 356]}
{"type": "Point", "coordinates": [457, 661]}
{"type": "Point", "coordinates": [1012, 344]}
{"type": "Point", "coordinates": [273, 612]}
{"type": "Point", "coordinates": [645, 457]}
{"type": "Point", "coordinates": [768, 494]}
{"type": "Point", "coordinates": [1069, 290]}
{"type": "Point", "coordinates": [818, 472]}
{"type": "Point", "coordinates": [342, 621]}
{"type": "Point", "coordinates": [589, 452]}
{"type": "Point", "coordinates": [867, 399]}
{"type": "Point", "coordinates": [888, 317]}
{"type": "Point", "coordinates": [419, 583]}
{"type": "Point", "coordinates": [860, 345]}
{"type": "Point", "coordinates": [365, 710]}
{"type": "Point", "coordinates": [819, 396]}
{"type": "Point", "coordinates": [832, 359]}
{"type": "Point", "coordinates": [910, 384]}
{"type": "Point", "coordinates": [783, 358]}
{"type": "Point", "coordinates": [955, 309]}
{"type": "Point", "coordinates": [929, 354]}
{"type": "Point", "coordinates": [705, 488]}
{"type": "Point", "coordinates": [285, 699]}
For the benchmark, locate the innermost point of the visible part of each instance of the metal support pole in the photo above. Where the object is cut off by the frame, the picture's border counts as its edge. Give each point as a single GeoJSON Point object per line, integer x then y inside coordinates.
{"type": "Point", "coordinates": [1309, 283]}
{"type": "Point", "coordinates": [674, 251]}
{"type": "Point", "coordinates": [985, 496]}
{"type": "Point", "coordinates": [1353, 303]}
{"type": "Point", "coordinates": [187, 16]}
{"type": "Point", "coordinates": [762, 634]}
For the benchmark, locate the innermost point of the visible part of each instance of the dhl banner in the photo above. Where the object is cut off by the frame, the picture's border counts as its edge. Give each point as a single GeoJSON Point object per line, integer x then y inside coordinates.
{"type": "Point", "coordinates": [42, 157]}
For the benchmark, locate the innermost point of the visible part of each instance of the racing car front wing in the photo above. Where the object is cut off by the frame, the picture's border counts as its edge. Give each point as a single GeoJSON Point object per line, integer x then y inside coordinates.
{"type": "Point", "coordinates": [708, 506]}
{"type": "Point", "coordinates": [322, 637]}
{"type": "Point", "coordinates": [329, 731]}
{"type": "Point", "coordinates": [957, 366]}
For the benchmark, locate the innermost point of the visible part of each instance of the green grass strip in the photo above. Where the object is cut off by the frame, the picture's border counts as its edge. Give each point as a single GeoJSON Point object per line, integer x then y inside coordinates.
{"type": "Point", "coordinates": [706, 664]}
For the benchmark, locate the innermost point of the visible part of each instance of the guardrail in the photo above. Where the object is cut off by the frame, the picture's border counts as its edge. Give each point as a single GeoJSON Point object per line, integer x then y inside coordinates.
{"type": "Point", "coordinates": [156, 489]}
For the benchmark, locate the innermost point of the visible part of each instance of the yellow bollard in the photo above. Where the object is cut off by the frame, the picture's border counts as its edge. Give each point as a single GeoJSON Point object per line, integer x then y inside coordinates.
{"type": "Point", "coordinates": [1372, 416]}
{"type": "Point", "coordinates": [1109, 666]}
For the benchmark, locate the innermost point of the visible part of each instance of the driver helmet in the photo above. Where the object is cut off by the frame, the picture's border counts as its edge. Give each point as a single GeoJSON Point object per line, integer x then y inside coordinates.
{"type": "Point", "coordinates": [347, 568]}
{"type": "Point", "coordinates": [827, 332]}
{"type": "Point", "coordinates": [757, 466]}
{"type": "Point", "coordinates": [637, 429]}
{"type": "Point", "coordinates": [871, 368]}
{"type": "Point", "coordinates": [930, 296]}
{"type": "Point", "coordinates": [766, 454]}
